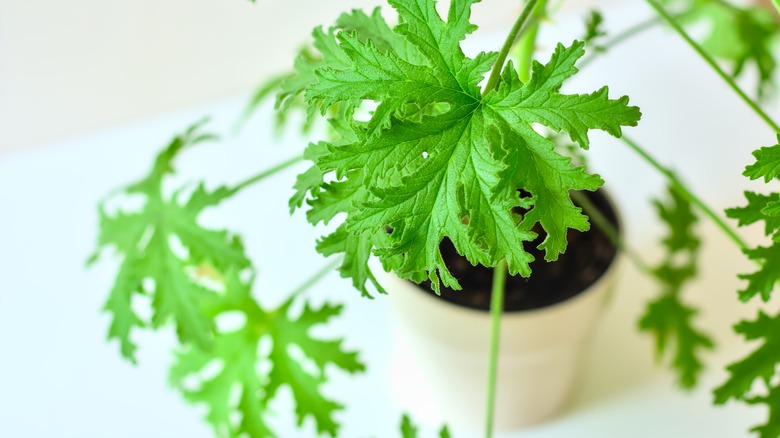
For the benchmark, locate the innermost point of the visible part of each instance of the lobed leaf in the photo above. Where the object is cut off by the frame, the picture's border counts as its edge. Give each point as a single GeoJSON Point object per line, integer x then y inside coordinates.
{"type": "Point", "coordinates": [767, 165]}
{"type": "Point", "coordinates": [758, 209]}
{"type": "Point", "coordinates": [667, 317]}
{"type": "Point", "coordinates": [671, 323]}
{"type": "Point", "coordinates": [238, 355]}
{"type": "Point", "coordinates": [409, 430]}
{"type": "Point", "coordinates": [770, 429]}
{"type": "Point", "coordinates": [760, 365]}
{"type": "Point", "coordinates": [743, 35]}
{"type": "Point", "coordinates": [594, 31]}
{"type": "Point", "coordinates": [753, 379]}
{"type": "Point", "coordinates": [153, 266]}
{"type": "Point", "coordinates": [763, 281]}
{"type": "Point", "coordinates": [438, 160]}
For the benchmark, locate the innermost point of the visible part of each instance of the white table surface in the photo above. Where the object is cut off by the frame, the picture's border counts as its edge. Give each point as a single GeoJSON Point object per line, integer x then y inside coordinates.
{"type": "Point", "coordinates": [59, 377]}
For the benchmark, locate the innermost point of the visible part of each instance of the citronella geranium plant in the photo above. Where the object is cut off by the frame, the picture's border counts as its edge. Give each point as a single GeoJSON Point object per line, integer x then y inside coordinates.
{"type": "Point", "coordinates": [427, 144]}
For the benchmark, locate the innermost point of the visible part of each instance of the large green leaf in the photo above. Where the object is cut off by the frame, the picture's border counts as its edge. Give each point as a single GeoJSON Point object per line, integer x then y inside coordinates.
{"type": "Point", "coordinates": [165, 250]}
{"type": "Point", "coordinates": [455, 171]}
{"type": "Point", "coordinates": [238, 356]}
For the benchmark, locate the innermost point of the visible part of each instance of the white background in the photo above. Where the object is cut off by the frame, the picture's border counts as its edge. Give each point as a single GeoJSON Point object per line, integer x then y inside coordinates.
{"type": "Point", "coordinates": [59, 378]}
{"type": "Point", "coordinates": [70, 66]}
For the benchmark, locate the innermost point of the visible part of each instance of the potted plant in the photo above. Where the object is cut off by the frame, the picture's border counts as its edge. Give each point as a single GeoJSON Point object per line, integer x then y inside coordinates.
{"type": "Point", "coordinates": [430, 147]}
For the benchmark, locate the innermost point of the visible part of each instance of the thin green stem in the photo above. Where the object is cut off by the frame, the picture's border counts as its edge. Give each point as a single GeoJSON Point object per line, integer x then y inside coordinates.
{"type": "Point", "coordinates": [500, 271]}
{"type": "Point", "coordinates": [527, 40]}
{"type": "Point", "coordinates": [495, 74]}
{"type": "Point", "coordinates": [621, 37]}
{"type": "Point", "coordinates": [496, 309]}
{"type": "Point", "coordinates": [266, 173]}
{"type": "Point", "coordinates": [316, 277]}
{"type": "Point", "coordinates": [777, 5]}
{"type": "Point", "coordinates": [680, 188]}
{"type": "Point", "coordinates": [711, 61]}
{"type": "Point", "coordinates": [609, 230]}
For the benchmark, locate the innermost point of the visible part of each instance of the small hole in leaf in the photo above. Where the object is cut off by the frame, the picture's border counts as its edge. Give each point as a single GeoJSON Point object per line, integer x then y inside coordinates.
{"type": "Point", "coordinates": [308, 365]}
{"type": "Point", "coordinates": [211, 370]}
{"type": "Point", "coordinates": [263, 363]}
{"type": "Point", "coordinates": [141, 304]}
{"type": "Point", "coordinates": [365, 111]}
{"type": "Point", "coordinates": [230, 321]}
{"type": "Point", "coordinates": [177, 247]}
{"type": "Point", "coordinates": [146, 237]}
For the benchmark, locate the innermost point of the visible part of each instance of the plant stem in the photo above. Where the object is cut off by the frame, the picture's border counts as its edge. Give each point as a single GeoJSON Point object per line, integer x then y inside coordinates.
{"type": "Point", "coordinates": [527, 40]}
{"type": "Point", "coordinates": [266, 173]}
{"type": "Point", "coordinates": [598, 218]}
{"type": "Point", "coordinates": [621, 37]}
{"type": "Point", "coordinates": [711, 61]}
{"type": "Point", "coordinates": [777, 5]}
{"type": "Point", "coordinates": [629, 33]}
{"type": "Point", "coordinates": [499, 272]}
{"type": "Point", "coordinates": [316, 277]}
{"type": "Point", "coordinates": [495, 74]}
{"type": "Point", "coordinates": [678, 186]}
{"type": "Point", "coordinates": [496, 309]}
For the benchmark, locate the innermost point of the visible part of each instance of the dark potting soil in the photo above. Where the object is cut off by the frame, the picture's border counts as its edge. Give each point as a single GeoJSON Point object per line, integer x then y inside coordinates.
{"type": "Point", "coordinates": [587, 257]}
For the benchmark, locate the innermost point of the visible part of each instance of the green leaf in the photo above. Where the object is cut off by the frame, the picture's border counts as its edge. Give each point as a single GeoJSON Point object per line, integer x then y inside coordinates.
{"type": "Point", "coordinates": [594, 31]}
{"type": "Point", "coordinates": [763, 281]}
{"type": "Point", "coordinates": [304, 183]}
{"type": "Point", "coordinates": [758, 208]}
{"type": "Point", "coordinates": [238, 355]}
{"type": "Point", "coordinates": [375, 28]}
{"type": "Point", "coordinates": [325, 53]}
{"type": "Point", "coordinates": [767, 163]}
{"type": "Point", "coordinates": [165, 253]}
{"type": "Point", "coordinates": [119, 303]}
{"type": "Point", "coordinates": [770, 429]}
{"type": "Point", "coordinates": [540, 101]}
{"type": "Point", "coordinates": [762, 208]}
{"type": "Point", "coordinates": [760, 364]}
{"type": "Point", "coordinates": [671, 323]}
{"type": "Point", "coordinates": [407, 428]}
{"type": "Point", "coordinates": [263, 92]}
{"type": "Point", "coordinates": [680, 220]}
{"type": "Point", "coordinates": [330, 199]}
{"type": "Point", "coordinates": [772, 209]}
{"type": "Point", "coordinates": [311, 180]}
{"type": "Point", "coordinates": [454, 173]}
{"type": "Point", "coordinates": [290, 89]}
{"type": "Point", "coordinates": [667, 317]}
{"type": "Point", "coordinates": [287, 370]}
{"type": "Point", "coordinates": [356, 250]}
{"type": "Point", "coordinates": [743, 36]}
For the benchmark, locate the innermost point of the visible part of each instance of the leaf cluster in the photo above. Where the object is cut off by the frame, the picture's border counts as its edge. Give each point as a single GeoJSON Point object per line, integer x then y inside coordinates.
{"type": "Point", "coordinates": [762, 364]}
{"type": "Point", "coordinates": [742, 35]}
{"type": "Point", "coordinates": [193, 276]}
{"type": "Point", "coordinates": [437, 157]}
{"type": "Point", "coordinates": [667, 317]}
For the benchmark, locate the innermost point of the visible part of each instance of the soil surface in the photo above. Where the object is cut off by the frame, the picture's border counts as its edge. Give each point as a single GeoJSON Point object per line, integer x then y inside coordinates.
{"type": "Point", "coordinates": [588, 256]}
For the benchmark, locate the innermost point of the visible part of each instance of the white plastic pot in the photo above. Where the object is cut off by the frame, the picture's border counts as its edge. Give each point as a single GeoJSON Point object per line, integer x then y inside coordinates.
{"type": "Point", "coordinates": [539, 357]}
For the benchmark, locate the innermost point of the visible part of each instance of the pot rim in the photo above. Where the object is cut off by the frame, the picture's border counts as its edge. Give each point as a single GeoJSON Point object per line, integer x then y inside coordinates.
{"type": "Point", "coordinates": [605, 276]}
